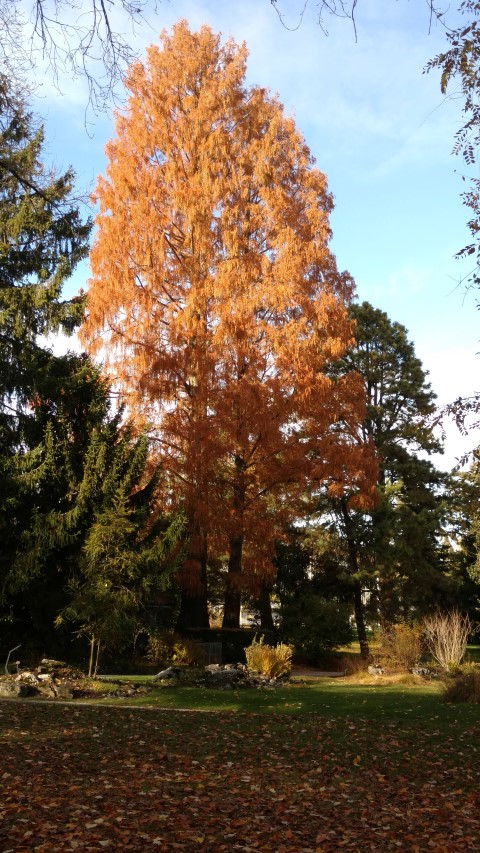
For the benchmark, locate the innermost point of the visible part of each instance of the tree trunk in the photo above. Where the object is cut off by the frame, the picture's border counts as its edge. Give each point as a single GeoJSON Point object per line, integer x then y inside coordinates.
{"type": "Point", "coordinates": [360, 620]}
{"type": "Point", "coordinates": [231, 607]}
{"type": "Point", "coordinates": [193, 611]}
{"type": "Point", "coordinates": [194, 598]}
{"type": "Point", "coordinates": [264, 606]}
{"type": "Point", "coordinates": [92, 650]}
{"type": "Point", "coordinates": [353, 562]}
{"type": "Point", "coordinates": [96, 659]}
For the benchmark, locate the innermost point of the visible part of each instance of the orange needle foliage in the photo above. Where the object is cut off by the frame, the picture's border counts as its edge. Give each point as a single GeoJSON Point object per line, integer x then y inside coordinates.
{"type": "Point", "coordinates": [217, 305]}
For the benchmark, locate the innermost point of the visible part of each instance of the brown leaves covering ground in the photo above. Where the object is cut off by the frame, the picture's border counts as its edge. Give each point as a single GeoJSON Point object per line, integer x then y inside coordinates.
{"type": "Point", "coordinates": [91, 779]}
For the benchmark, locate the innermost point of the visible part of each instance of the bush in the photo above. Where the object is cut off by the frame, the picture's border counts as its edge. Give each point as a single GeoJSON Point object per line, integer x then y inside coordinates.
{"type": "Point", "coordinates": [446, 636]}
{"type": "Point", "coordinates": [401, 646]}
{"type": "Point", "coordinates": [464, 686]}
{"type": "Point", "coordinates": [354, 665]}
{"type": "Point", "coordinates": [272, 661]}
{"type": "Point", "coordinates": [167, 647]}
{"type": "Point", "coordinates": [315, 627]}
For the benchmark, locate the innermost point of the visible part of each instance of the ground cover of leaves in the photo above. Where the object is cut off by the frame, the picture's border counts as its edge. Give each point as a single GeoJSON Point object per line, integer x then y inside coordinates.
{"type": "Point", "coordinates": [84, 778]}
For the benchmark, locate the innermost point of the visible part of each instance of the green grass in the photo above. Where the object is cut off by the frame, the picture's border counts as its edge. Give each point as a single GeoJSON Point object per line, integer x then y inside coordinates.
{"type": "Point", "coordinates": [331, 698]}
{"type": "Point", "coordinates": [473, 654]}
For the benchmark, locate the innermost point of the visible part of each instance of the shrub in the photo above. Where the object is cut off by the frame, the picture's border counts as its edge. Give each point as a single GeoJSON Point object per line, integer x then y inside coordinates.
{"type": "Point", "coordinates": [167, 647]}
{"type": "Point", "coordinates": [464, 686]}
{"type": "Point", "coordinates": [188, 652]}
{"type": "Point", "coordinates": [401, 645]}
{"type": "Point", "coordinates": [271, 661]}
{"type": "Point", "coordinates": [354, 665]}
{"type": "Point", "coordinates": [315, 626]}
{"type": "Point", "coordinates": [446, 636]}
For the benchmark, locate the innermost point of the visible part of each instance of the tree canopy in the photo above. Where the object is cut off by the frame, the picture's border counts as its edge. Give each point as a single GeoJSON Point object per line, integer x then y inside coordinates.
{"type": "Point", "coordinates": [216, 302]}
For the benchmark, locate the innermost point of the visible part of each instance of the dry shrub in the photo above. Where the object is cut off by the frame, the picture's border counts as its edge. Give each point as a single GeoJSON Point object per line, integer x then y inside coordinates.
{"type": "Point", "coordinates": [401, 646]}
{"type": "Point", "coordinates": [271, 661]}
{"type": "Point", "coordinates": [446, 636]}
{"type": "Point", "coordinates": [465, 686]}
{"type": "Point", "coordinates": [166, 647]}
{"type": "Point", "coordinates": [353, 665]}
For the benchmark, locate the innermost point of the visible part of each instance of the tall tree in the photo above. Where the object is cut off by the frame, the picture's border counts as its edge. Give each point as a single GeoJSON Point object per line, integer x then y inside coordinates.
{"type": "Point", "coordinates": [392, 552]}
{"type": "Point", "coordinates": [217, 303]}
{"type": "Point", "coordinates": [42, 238]}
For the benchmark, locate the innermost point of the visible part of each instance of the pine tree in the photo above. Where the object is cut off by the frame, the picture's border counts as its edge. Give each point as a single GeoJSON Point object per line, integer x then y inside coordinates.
{"type": "Point", "coordinates": [392, 552]}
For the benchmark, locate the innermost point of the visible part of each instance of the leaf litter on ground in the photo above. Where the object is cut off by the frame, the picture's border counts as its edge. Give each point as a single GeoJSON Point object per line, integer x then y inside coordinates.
{"type": "Point", "coordinates": [80, 778]}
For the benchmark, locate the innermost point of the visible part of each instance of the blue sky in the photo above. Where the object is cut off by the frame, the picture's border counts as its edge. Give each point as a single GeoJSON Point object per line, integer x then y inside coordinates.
{"type": "Point", "coordinates": [381, 131]}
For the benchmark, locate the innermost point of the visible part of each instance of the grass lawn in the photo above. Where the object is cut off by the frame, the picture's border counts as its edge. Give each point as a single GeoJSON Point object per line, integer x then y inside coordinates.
{"type": "Point", "coordinates": [325, 766]}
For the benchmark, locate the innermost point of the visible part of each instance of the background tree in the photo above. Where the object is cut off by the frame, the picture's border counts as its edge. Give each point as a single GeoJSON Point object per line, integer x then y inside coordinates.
{"type": "Point", "coordinates": [218, 304]}
{"type": "Point", "coordinates": [392, 553]}
{"type": "Point", "coordinates": [314, 605]}
{"type": "Point", "coordinates": [42, 238]}
{"type": "Point", "coordinates": [130, 550]}
{"type": "Point", "coordinates": [464, 534]}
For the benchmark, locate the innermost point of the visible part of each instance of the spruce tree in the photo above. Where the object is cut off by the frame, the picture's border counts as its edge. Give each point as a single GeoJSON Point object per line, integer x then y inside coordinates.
{"type": "Point", "coordinates": [42, 238]}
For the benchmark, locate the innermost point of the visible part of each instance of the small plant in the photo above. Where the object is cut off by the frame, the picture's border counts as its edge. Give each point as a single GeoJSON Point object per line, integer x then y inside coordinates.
{"type": "Point", "coordinates": [271, 661]}
{"type": "Point", "coordinates": [464, 686]}
{"type": "Point", "coordinates": [401, 646]}
{"type": "Point", "coordinates": [187, 652]}
{"type": "Point", "coordinates": [446, 636]}
{"type": "Point", "coordinates": [167, 647]}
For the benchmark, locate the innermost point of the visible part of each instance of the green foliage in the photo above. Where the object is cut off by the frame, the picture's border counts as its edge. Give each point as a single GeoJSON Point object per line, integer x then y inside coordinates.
{"type": "Point", "coordinates": [271, 661]}
{"type": "Point", "coordinates": [315, 626]}
{"type": "Point", "coordinates": [128, 550]}
{"type": "Point", "coordinates": [401, 645]}
{"type": "Point", "coordinates": [42, 239]}
{"type": "Point", "coordinates": [395, 551]}
{"type": "Point", "coordinates": [42, 440]}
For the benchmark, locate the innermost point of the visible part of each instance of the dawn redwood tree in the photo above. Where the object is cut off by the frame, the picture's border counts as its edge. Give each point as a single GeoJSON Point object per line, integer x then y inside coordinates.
{"type": "Point", "coordinates": [217, 306]}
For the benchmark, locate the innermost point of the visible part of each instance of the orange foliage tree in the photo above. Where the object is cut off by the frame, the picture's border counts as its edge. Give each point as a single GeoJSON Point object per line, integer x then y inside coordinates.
{"type": "Point", "coordinates": [217, 306]}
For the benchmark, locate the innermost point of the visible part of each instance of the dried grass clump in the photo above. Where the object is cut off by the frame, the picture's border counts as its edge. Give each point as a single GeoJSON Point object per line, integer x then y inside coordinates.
{"type": "Point", "coordinates": [271, 661]}
{"type": "Point", "coordinates": [354, 665]}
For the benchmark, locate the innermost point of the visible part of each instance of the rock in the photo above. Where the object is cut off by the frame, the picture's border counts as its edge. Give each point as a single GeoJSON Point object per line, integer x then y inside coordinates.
{"type": "Point", "coordinates": [13, 689]}
{"type": "Point", "coordinates": [45, 689]}
{"type": "Point", "coordinates": [170, 672]}
{"type": "Point", "coordinates": [376, 670]}
{"type": "Point", "coordinates": [423, 671]}
{"type": "Point", "coordinates": [63, 690]}
{"type": "Point", "coordinates": [27, 677]}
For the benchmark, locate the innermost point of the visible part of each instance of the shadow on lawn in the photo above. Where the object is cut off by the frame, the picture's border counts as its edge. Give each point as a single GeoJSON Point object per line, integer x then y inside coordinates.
{"type": "Point", "coordinates": [326, 698]}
